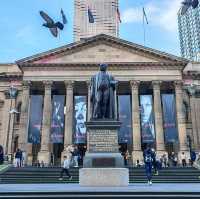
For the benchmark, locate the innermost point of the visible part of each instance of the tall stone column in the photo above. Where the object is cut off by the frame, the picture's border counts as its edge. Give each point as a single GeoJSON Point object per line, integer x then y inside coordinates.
{"type": "Point", "coordinates": [180, 118]}
{"type": "Point", "coordinates": [160, 144]}
{"type": "Point", "coordinates": [10, 127]}
{"type": "Point", "coordinates": [88, 101]}
{"type": "Point", "coordinates": [1, 121]}
{"type": "Point", "coordinates": [137, 152]}
{"type": "Point", "coordinates": [24, 117]}
{"type": "Point", "coordinates": [69, 113]}
{"type": "Point", "coordinates": [44, 154]}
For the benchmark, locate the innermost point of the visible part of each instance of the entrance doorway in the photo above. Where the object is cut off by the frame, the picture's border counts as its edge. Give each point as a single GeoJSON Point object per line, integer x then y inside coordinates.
{"type": "Point", "coordinates": [35, 151]}
{"type": "Point", "coordinates": [56, 155]}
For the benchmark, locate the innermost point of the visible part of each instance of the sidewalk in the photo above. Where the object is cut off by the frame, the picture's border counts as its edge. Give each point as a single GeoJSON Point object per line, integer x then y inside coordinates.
{"type": "Point", "coordinates": [47, 188]}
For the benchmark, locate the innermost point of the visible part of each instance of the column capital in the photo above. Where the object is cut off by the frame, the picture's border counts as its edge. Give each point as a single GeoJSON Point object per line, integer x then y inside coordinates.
{"type": "Point", "coordinates": [134, 84]}
{"type": "Point", "coordinates": [26, 84]}
{"type": "Point", "coordinates": [47, 84]}
{"type": "Point", "coordinates": [178, 84]}
{"type": "Point", "coordinates": [156, 84]}
{"type": "Point", "coordinates": [69, 84]}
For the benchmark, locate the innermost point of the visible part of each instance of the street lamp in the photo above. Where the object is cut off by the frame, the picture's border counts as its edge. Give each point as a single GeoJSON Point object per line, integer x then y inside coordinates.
{"type": "Point", "coordinates": [12, 95]}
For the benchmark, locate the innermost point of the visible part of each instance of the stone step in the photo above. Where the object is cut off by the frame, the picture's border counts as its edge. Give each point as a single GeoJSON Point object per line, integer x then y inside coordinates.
{"type": "Point", "coordinates": [51, 175]}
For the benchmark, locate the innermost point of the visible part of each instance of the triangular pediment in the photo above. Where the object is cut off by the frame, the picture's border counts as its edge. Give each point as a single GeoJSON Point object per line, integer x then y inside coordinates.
{"type": "Point", "coordinates": [101, 48]}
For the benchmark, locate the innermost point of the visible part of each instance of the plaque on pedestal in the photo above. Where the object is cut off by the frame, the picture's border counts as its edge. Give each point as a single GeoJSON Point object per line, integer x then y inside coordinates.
{"type": "Point", "coordinates": [103, 148]}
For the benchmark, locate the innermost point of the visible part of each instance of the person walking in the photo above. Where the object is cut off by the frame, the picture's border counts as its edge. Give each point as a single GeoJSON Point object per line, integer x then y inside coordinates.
{"type": "Point", "coordinates": [18, 158]}
{"type": "Point", "coordinates": [65, 168]}
{"type": "Point", "coordinates": [148, 160]}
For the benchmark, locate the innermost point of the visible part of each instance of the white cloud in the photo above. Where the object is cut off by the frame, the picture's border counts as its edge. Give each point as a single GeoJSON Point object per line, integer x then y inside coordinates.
{"type": "Point", "coordinates": [132, 15]}
{"type": "Point", "coordinates": [160, 13]}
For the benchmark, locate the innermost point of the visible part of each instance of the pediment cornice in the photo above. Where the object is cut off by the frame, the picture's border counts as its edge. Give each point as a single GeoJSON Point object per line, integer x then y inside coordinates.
{"type": "Point", "coordinates": [102, 39]}
{"type": "Point", "coordinates": [112, 66]}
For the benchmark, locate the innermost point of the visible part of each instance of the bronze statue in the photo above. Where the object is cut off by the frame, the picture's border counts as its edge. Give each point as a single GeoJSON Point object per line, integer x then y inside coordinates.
{"type": "Point", "coordinates": [103, 93]}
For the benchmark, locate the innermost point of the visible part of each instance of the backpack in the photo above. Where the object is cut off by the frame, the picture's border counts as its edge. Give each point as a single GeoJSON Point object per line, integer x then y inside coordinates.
{"type": "Point", "coordinates": [148, 158]}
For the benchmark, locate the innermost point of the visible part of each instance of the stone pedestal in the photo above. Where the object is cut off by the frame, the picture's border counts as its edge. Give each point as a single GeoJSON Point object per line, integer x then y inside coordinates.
{"type": "Point", "coordinates": [104, 177]}
{"type": "Point", "coordinates": [103, 163]}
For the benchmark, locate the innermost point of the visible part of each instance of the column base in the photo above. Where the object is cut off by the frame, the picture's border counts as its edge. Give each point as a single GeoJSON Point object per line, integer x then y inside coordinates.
{"type": "Point", "coordinates": [29, 160]}
{"type": "Point", "coordinates": [159, 154]}
{"type": "Point", "coordinates": [137, 155]}
{"type": "Point", "coordinates": [187, 153]}
{"type": "Point", "coordinates": [44, 156]}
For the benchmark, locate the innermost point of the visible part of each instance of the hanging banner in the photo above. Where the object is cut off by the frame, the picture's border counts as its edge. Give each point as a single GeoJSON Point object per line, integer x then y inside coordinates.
{"type": "Point", "coordinates": [80, 112]}
{"type": "Point", "coordinates": [58, 119]}
{"type": "Point", "coordinates": [35, 119]}
{"type": "Point", "coordinates": [147, 119]}
{"type": "Point", "coordinates": [124, 108]}
{"type": "Point", "coordinates": [169, 118]}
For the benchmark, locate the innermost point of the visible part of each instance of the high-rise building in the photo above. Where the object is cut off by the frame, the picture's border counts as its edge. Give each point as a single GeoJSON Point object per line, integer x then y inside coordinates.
{"type": "Point", "coordinates": [189, 33]}
{"type": "Point", "coordinates": [106, 19]}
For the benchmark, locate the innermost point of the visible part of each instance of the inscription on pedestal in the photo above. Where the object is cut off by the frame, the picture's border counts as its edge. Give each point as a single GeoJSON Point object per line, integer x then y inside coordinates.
{"type": "Point", "coordinates": [103, 162]}
{"type": "Point", "coordinates": [103, 140]}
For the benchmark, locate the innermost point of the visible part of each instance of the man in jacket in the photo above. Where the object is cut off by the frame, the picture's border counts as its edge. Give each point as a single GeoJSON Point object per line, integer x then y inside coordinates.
{"type": "Point", "coordinates": [148, 160]}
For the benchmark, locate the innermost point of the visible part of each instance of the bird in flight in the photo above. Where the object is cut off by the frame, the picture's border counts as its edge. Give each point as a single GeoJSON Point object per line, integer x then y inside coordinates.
{"type": "Point", "coordinates": [53, 26]}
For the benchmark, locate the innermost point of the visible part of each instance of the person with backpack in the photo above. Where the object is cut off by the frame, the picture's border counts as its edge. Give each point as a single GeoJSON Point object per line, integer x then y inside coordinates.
{"type": "Point", "coordinates": [148, 161]}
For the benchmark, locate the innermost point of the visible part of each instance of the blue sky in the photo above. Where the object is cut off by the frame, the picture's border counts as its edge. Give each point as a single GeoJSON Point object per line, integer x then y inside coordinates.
{"type": "Point", "coordinates": [22, 34]}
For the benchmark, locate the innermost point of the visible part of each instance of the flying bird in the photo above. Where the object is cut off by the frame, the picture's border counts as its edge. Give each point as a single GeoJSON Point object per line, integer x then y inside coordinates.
{"type": "Point", "coordinates": [64, 19]}
{"type": "Point", "coordinates": [188, 3]}
{"type": "Point", "coordinates": [53, 27]}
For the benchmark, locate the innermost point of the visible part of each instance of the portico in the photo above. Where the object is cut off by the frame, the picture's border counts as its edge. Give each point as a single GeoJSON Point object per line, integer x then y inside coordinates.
{"type": "Point", "coordinates": [139, 70]}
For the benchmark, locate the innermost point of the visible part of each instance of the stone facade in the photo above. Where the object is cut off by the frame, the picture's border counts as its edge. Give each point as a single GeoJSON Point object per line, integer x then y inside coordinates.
{"type": "Point", "coordinates": [69, 68]}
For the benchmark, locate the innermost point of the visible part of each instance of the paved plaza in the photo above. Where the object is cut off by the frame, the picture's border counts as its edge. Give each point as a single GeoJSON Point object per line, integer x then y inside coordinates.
{"type": "Point", "coordinates": [47, 188]}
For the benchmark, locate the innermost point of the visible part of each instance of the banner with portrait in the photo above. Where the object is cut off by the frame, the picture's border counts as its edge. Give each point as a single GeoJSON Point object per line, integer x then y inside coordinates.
{"type": "Point", "coordinates": [124, 110]}
{"type": "Point", "coordinates": [147, 119]}
{"type": "Point", "coordinates": [169, 118]}
{"type": "Point", "coordinates": [35, 119]}
{"type": "Point", "coordinates": [57, 119]}
{"type": "Point", "coordinates": [80, 111]}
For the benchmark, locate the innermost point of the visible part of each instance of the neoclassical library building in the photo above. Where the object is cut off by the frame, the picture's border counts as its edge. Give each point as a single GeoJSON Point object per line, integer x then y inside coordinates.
{"type": "Point", "coordinates": [45, 98]}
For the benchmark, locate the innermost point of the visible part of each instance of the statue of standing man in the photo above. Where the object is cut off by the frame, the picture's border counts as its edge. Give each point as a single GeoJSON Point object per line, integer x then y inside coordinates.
{"type": "Point", "coordinates": [103, 95]}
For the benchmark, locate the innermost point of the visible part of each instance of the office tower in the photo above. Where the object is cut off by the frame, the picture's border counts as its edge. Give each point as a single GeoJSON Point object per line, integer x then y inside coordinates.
{"type": "Point", "coordinates": [189, 33]}
{"type": "Point", "coordinates": [105, 14]}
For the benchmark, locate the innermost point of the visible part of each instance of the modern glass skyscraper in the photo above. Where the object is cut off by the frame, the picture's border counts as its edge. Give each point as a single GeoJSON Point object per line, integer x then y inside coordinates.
{"type": "Point", "coordinates": [189, 33]}
{"type": "Point", "coordinates": [105, 14]}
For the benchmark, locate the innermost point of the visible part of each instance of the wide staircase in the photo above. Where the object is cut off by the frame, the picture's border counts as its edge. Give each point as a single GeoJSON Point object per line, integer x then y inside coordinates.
{"type": "Point", "coordinates": [136, 175]}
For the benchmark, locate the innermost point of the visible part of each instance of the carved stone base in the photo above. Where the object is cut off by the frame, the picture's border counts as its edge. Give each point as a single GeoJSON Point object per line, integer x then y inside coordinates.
{"type": "Point", "coordinates": [104, 177]}
{"type": "Point", "coordinates": [159, 154]}
{"type": "Point", "coordinates": [137, 155]}
{"type": "Point", "coordinates": [44, 156]}
{"type": "Point", "coordinates": [29, 160]}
